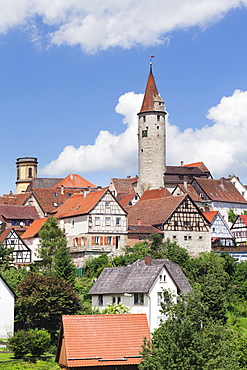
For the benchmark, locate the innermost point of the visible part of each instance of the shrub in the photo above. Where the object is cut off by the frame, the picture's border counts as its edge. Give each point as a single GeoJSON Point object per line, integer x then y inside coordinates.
{"type": "Point", "coordinates": [20, 343]}
{"type": "Point", "coordinates": [40, 342]}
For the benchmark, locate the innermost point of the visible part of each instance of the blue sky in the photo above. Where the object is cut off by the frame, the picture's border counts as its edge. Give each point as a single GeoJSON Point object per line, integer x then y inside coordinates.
{"type": "Point", "coordinates": [72, 75]}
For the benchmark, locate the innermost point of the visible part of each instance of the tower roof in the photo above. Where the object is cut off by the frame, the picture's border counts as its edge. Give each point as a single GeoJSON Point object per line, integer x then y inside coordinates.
{"type": "Point", "coordinates": [151, 94]}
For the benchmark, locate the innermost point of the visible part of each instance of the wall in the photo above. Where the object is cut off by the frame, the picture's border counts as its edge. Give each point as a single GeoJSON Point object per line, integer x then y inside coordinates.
{"type": "Point", "coordinates": [6, 310]}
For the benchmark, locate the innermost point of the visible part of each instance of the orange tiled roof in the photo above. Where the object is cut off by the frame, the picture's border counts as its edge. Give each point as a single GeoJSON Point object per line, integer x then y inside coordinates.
{"type": "Point", "coordinates": [101, 340]}
{"type": "Point", "coordinates": [74, 181]}
{"type": "Point", "coordinates": [153, 211]}
{"type": "Point", "coordinates": [200, 165]}
{"type": "Point", "coordinates": [188, 189]}
{"type": "Point", "coordinates": [150, 92]}
{"type": "Point", "coordinates": [220, 190]}
{"type": "Point", "coordinates": [243, 218]}
{"type": "Point", "coordinates": [155, 193]}
{"type": "Point", "coordinates": [79, 205]}
{"type": "Point", "coordinates": [34, 228]}
{"type": "Point", "coordinates": [124, 199]}
{"type": "Point", "coordinates": [210, 215]}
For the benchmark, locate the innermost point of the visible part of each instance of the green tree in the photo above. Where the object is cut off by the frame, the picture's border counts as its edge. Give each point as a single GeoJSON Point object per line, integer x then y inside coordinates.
{"type": "Point", "coordinates": [14, 276]}
{"type": "Point", "coordinates": [44, 299]}
{"type": "Point", "coordinates": [231, 216]}
{"type": "Point", "coordinates": [187, 340]}
{"type": "Point", "coordinates": [20, 343]}
{"type": "Point", "coordinates": [63, 266]}
{"type": "Point", "coordinates": [51, 238]}
{"type": "Point", "coordinates": [5, 257]}
{"type": "Point", "coordinates": [115, 308]}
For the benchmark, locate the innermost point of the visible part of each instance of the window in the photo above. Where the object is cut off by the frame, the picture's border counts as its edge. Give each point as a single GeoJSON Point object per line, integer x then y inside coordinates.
{"type": "Point", "coordinates": [139, 299]}
{"type": "Point", "coordinates": [107, 221]}
{"type": "Point", "coordinates": [108, 240]}
{"type": "Point", "coordinates": [118, 221]}
{"type": "Point", "coordinates": [55, 194]}
{"type": "Point", "coordinates": [100, 300]}
{"type": "Point", "coordinates": [200, 237]}
{"type": "Point", "coordinates": [158, 117]}
{"type": "Point", "coordinates": [158, 127]}
{"type": "Point", "coordinates": [185, 237]}
{"type": "Point", "coordinates": [117, 241]}
{"type": "Point", "coordinates": [186, 223]}
{"type": "Point", "coordinates": [116, 299]}
{"type": "Point", "coordinates": [107, 204]}
{"type": "Point", "coordinates": [162, 278]}
{"type": "Point", "coordinates": [96, 240]}
{"type": "Point", "coordinates": [174, 236]}
{"type": "Point", "coordinates": [55, 204]}
{"type": "Point", "coordinates": [30, 172]}
{"type": "Point", "coordinates": [144, 118]}
{"type": "Point", "coordinates": [189, 237]}
{"type": "Point", "coordinates": [213, 229]}
{"type": "Point", "coordinates": [72, 224]}
{"type": "Point", "coordinates": [96, 221]}
{"type": "Point", "coordinates": [144, 133]}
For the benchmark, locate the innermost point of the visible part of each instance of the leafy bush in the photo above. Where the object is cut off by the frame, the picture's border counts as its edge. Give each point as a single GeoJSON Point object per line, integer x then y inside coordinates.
{"type": "Point", "coordinates": [33, 341]}
{"type": "Point", "coordinates": [20, 343]}
{"type": "Point", "coordinates": [40, 342]}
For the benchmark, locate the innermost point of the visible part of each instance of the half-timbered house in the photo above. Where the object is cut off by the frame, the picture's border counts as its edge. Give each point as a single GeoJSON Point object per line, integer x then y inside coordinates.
{"type": "Point", "coordinates": [239, 229]}
{"type": "Point", "coordinates": [93, 224]}
{"type": "Point", "coordinates": [221, 235]}
{"type": "Point", "coordinates": [21, 254]}
{"type": "Point", "coordinates": [178, 217]}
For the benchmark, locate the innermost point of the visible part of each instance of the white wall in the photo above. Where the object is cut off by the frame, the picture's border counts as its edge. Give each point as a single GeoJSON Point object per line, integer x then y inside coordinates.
{"type": "Point", "coordinates": [6, 310]}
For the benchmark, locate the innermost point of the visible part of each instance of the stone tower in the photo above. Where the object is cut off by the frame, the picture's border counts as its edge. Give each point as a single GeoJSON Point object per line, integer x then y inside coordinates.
{"type": "Point", "coordinates": [151, 139]}
{"type": "Point", "coordinates": [26, 170]}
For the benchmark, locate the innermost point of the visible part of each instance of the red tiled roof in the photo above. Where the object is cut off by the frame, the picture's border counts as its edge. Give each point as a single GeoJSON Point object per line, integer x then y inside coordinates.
{"type": "Point", "coordinates": [243, 218]}
{"type": "Point", "coordinates": [124, 199]}
{"type": "Point", "coordinates": [75, 181]}
{"type": "Point", "coordinates": [143, 229]}
{"type": "Point", "coordinates": [188, 189]}
{"type": "Point", "coordinates": [151, 90]}
{"type": "Point", "coordinates": [79, 205]}
{"type": "Point", "coordinates": [4, 235]}
{"type": "Point", "coordinates": [155, 193]}
{"type": "Point", "coordinates": [14, 199]}
{"type": "Point", "coordinates": [124, 186]}
{"type": "Point", "coordinates": [101, 340]}
{"type": "Point", "coordinates": [18, 212]}
{"type": "Point", "coordinates": [34, 228]}
{"type": "Point", "coordinates": [200, 165]}
{"type": "Point", "coordinates": [210, 215]}
{"type": "Point", "coordinates": [50, 199]}
{"type": "Point", "coordinates": [153, 211]}
{"type": "Point", "coordinates": [220, 190]}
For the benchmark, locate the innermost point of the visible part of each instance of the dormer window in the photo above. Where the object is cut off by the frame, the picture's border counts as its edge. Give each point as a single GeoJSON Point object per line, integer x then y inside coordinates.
{"type": "Point", "coordinates": [55, 195]}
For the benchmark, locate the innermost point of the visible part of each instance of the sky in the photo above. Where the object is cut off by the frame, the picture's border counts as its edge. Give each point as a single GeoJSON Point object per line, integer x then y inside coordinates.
{"type": "Point", "coordinates": [73, 74]}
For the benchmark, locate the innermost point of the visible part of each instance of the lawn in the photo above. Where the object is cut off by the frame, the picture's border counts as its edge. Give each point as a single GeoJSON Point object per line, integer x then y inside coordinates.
{"type": "Point", "coordinates": [28, 365]}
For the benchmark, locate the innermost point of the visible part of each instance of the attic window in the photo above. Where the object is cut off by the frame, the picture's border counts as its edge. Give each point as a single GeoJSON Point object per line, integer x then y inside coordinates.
{"type": "Point", "coordinates": [55, 204]}
{"type": "Point", "coordinates": [107, 204]}
{"type": "Point", "coordinates": [55, 194]}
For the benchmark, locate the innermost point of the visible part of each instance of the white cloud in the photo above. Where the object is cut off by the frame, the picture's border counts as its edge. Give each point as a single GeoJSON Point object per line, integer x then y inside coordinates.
{"type": "Point", "coordinates": [221, 146]}
{"type": "Point", "coordinates": [99, 24]}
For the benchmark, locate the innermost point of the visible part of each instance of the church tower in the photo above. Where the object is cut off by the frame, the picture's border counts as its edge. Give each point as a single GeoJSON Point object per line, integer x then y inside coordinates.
{"type": "Point", "coordinates": [151, 139]}
{"type": "Point", "coordinates": [26, 168]}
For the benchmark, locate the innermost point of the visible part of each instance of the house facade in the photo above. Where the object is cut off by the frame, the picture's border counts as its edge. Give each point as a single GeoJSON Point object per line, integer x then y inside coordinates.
{"type": "Point", "coordinates": [140, 287]}
{"type": "Point", "coordinates": [178, 217]}
{"type": "Point", "coordinates": [221, 235]}
{"type": "Point", "coordinates": [7, 302]}
{"type": "Point", "coordinates": [239, 230]}
{"type": "Point", "coordinates": [21, 254]}
{"type": "Point", "coordinates": [93, 224]}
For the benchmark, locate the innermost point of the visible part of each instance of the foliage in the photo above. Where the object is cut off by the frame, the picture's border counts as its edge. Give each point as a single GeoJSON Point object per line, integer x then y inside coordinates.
{"type": "Point", "coordinates": [189, 340]}
{"type": "Point", "coordinates": [231, 216]}
{"type": "Point", "coordinates": [115, 309]}
{"type": "Point", "coordinates": [35, 342]}
{"type": "Point", "coordinates": [51, 237]}
{"type": "Point", "coordinates": [240, 280]}
{"type": "Point", "coordinates": [63, 266]}
{"type": "Point", "coordinates": [20, 343]}
{"type": "Point", "coordinates": [94, 266]}
{"type": "Point", "coordinates": [44, 299]}
{"type": "Point", "coordinates": [14, 276]}
{"type": "Point", "coordinates": [48, 364]}
{"type": "Point", "coordinates": [40, 343]}
{"type": "Point", "coordinates": [5, 257]}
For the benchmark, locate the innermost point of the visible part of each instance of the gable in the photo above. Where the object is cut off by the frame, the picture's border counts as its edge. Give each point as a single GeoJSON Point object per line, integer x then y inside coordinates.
{"type": "Point", "coordinates": [108, 205]}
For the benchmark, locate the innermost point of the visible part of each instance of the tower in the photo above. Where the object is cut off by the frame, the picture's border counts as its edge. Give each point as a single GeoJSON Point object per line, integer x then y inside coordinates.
{"type": "Point", "coordinates": [151, 138]}
{"type": "Point", "coordinates": [26, 170]}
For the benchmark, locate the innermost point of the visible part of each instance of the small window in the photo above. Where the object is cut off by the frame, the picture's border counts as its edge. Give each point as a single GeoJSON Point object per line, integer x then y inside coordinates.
{"type": "Point", "coordinates": [55, 204]}
{"type": "Point", "coordinates": [30, 172]}
{"type": "Point", "coordinates": [55, 195]}
{"type": "Point", "coordinates": [96, 221]}
{"type": "Point", "coordinates": [185, 237]}
{"type": "Point", "coordinates": [118, 221]}
{"type": "Point", "coordinates": [108, 240]}
{"type": "Point", "coordinates": [96, 240]}
{"type": "Point", "coordinates": [100, 300]}
{"type": "Point", "coordinates": [158, 117]}
{"type": "Point", "coordinates": [158, 127]}
{"type": "Point", "coordinates": [144, 133]}
{"type": "Point", "coordinates": [213, 229]}
{"type": "Point", "coordinates": [189, 237]}
{"type": "Point", "coordinates": [142, 150]}
{"type": "Point", "coordinates": [186, 223]}
{"type": "Point", "coordinates": [144, 118]}
{"type": "Point", "coordinates": [200, 237]}
{"type": "Point", "coordinates": [72, 224]}
{"type": "Point", "coordinates": [107, 204]}
{"type": "Point", "coordinates": [139, 299]}
{"type": "Point", "coordinates": [107, 221]}
{"type": "Point", "coordinates": [12, 242]}
{"type": "Point", "coordinates": [174, 236]}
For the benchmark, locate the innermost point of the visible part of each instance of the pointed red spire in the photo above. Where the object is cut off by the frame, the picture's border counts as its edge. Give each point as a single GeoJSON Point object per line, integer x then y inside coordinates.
{"type": "Point", "coordinates": [150, 92]}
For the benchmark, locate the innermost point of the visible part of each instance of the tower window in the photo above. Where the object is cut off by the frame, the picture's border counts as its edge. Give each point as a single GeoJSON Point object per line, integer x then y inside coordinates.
{"type": "Point", "coordinates": [144, 133]}
{"type": "Point", "coordinates": [144, 118]}
{"type": "Point", "coordinates": [30, 172]}
{"type": "Point", "coordinates": [142, 150]}
{"type": "Point", "coordinates": [158, 117]}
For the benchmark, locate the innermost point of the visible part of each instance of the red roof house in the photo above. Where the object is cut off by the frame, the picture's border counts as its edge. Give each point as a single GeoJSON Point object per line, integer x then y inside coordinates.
{"type": "Point", "coordinates": [95, 342]}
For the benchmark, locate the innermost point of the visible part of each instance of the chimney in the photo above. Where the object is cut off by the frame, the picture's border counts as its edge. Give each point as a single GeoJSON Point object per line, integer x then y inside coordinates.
{"type": "Point", "coordinates": [138, 222]}
{"type": "Point", "coordinates": [62, 190]}
{"type": "Point", "coordinates": [222, 183]}
{"type": "Point", "coordinates": [71, 176]}
{"type": "Point", "coordinates": [148, 260]}
{"type": "Point", "coordinates": [182, 163]}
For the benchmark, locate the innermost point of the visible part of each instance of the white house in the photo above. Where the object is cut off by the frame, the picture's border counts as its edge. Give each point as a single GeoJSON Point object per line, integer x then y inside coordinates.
{"type": "Point", "coordinates": [7, 302]}
{"type": "Point", "coordinates": [238, 184]}
{"type": "Point", "coordinates": [140, 286]}
{"type": "Point", "coordinates": [93, 224]}
{"type": "Point", "coordinates": [31, 237]}
{"type": "Point", "coordinates": [21, 253]}
{"type": "Point", "coordinates": [221, 235]}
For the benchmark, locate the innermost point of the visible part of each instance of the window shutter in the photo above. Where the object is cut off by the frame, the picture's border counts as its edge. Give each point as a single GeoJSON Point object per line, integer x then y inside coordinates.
{"type": "Point", "coordinates": [101, 240]}
{"type": "Point", "coordinates": [92, 240]}
{"type": "Point", "coordinates": [79, 241]}
{"type": "Point", "coordinates": [105, 240]}
{"type": "Point", "coordinates": [114, 240]}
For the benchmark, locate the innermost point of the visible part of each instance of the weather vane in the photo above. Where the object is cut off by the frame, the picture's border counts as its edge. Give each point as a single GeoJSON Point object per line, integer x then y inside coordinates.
{"type": "Point", "coordinates": [151, 63]}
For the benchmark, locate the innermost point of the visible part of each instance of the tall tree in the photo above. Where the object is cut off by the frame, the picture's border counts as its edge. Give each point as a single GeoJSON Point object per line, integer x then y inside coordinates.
{"type": "Point", "coordinates": [51, 238]}
{"type": "Point", "coordinates": [63, 266]}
